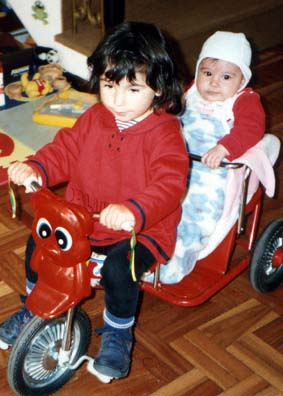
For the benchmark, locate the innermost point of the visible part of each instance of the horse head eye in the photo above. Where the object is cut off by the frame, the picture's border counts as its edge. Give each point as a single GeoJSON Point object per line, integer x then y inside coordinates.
{"type": "Point", "coordinates": [43, 228]}
{"type": "Point", "coordinates": [64, 238]}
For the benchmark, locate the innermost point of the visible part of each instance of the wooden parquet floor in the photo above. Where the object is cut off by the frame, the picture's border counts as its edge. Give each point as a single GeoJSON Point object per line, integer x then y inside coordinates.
{"type": "Point", "coordinates": [231, 345]}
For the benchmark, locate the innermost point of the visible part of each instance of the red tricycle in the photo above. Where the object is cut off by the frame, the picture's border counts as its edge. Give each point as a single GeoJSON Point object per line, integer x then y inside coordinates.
{"type": "Point", "coordinates": [55, 342]}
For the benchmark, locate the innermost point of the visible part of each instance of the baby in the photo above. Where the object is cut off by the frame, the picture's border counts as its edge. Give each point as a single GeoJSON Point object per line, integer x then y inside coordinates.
{"type": "Point", "coordinates": [222, 120]}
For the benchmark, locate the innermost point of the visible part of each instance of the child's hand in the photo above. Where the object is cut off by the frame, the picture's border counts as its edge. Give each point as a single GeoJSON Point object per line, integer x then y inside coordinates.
{"type": "Point", "coordinates": [117, 217]}
{"type": "Point", "coordinates": [214, 156]}
{"type": "Point", "coordinates": [19, 172]}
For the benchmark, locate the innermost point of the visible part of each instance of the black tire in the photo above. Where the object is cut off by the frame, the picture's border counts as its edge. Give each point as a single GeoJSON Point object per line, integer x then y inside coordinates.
{"type": "Point", "coordinates": [265, 277]}
{"type": "Point", "coordinates": [33, 369]}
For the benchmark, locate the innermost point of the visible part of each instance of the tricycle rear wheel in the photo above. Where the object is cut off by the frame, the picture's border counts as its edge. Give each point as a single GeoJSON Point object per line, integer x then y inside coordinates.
{"type": "Point", "coordinates": [33, 368]}
{"type": "Point", "coordinates": [264, 275]}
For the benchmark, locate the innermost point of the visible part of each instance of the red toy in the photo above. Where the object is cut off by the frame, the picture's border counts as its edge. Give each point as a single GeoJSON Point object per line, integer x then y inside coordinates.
{"type": "Point", "coordinates": [6, 145]}
{"type": "Point", "coordinates": [47, 352]}
{"type": "Point", "coordinates": [60, 233]}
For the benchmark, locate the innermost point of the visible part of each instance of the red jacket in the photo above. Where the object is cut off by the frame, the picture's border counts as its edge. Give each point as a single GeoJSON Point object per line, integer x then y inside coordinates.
{"type": "Point", "coordinates": [249, 124]}
{"type": "Point", "coordinates": [144, 168]}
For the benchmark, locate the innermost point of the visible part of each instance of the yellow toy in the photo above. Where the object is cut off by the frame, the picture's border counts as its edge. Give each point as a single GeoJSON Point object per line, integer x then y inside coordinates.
{"type": "Point", "coordinates": [50, 72]}
{"type": "Point", "coordinates": [36, 87]}
{"type": "Point", "coordinates": [63, 108]}
{"type": "Point", "coordinates": [49, 78]}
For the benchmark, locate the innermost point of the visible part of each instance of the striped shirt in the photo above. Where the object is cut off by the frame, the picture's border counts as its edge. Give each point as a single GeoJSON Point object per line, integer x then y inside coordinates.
{"type": "Point", "coordinates": [124, 124]}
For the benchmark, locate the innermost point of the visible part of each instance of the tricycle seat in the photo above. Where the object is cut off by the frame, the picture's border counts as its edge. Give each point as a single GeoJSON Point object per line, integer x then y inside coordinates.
{"type": "Point", "coordinates": [213, 272]}
{"type": "Point", "coordinates": [214, 268]}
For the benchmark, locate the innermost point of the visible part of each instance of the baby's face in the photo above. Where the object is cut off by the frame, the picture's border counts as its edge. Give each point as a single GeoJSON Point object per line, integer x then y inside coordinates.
{"type": "Point", "coordinates": [218, 80]}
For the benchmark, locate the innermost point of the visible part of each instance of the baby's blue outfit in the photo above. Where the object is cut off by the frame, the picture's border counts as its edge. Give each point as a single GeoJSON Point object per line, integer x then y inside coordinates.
{"type": "Point", "coordinates": [204, 123]}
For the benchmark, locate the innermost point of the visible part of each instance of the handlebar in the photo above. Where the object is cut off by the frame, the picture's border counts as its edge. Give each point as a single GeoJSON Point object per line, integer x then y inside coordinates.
{"type": "Point", "coordinates": [223, 164]}
{"type": "Point", "coordinates": [33, 185]}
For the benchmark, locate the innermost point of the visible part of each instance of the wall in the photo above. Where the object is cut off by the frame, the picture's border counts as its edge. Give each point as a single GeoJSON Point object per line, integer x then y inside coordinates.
{"type": "Point", "coordinates": [43, 34]}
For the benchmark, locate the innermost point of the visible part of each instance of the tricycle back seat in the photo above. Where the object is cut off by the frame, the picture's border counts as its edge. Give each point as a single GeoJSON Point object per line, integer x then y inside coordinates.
{"type": "Point", "coordinates": [236, 227]}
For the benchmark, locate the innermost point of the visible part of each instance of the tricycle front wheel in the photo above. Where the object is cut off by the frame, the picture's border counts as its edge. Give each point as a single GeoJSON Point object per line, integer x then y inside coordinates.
{"type": "Point", "coordinates": [33, 367]}
{"type": "Point", "coordinates": [266, 265]}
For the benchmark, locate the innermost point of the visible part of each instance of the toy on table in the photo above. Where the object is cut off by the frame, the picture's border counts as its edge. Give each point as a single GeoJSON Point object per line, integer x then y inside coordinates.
{"type": "Point", "coordinates": [63, 108]}
{"type": "Point", "coordinates": [35, 87]}
{"type": "Point", "coordinates": [46, 80]}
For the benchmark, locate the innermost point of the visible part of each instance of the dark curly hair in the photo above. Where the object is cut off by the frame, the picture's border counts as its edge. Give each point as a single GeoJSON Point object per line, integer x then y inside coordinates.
{"type": "Point", "coordinates": [138, 47]}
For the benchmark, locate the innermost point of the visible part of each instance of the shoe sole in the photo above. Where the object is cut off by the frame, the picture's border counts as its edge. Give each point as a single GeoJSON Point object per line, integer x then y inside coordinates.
{"type": "Point", "coordinates": [4, 346]}
{"type": "Point", "coordinates": [105, 374]}
{"type": "Point", "coordinates": [106, 379]}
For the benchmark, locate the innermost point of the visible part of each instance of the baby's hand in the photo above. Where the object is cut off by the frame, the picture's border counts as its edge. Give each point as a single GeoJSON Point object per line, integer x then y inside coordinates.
{"type": "Point", "coordinates": [19, 172]}
{"type": "Point", "coordinates": [214, 156]}
{"type": "Point", "coordinates": [117, 217]}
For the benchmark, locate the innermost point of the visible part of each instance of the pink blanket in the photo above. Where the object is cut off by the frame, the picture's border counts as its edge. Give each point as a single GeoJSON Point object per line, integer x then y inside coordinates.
{"type": "Point", "coordinates": [260, 159]}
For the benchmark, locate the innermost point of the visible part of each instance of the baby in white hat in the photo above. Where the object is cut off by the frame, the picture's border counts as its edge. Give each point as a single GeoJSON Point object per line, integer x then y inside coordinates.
{"type": "Point", "coordinates": [222, 74]}
{"type": "Point", "coordinates": [223, 118]}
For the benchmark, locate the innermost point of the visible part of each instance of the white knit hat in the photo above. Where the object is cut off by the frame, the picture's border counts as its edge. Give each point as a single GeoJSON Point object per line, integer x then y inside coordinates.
{"type": "Point", "coordinates": [230, 47]}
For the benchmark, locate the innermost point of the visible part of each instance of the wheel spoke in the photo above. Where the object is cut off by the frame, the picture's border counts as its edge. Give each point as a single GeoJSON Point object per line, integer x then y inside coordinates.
{"type": "Point", "coordinates": [41, 359]}
{"type": "Point", "coordinates": [33, 366]}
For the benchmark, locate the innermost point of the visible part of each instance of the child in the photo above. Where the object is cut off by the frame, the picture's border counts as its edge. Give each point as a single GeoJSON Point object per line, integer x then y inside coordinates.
{"type": "Point", "coordinates": [222, 120]}
{"type": "Point", "coordinates": [125, 158]}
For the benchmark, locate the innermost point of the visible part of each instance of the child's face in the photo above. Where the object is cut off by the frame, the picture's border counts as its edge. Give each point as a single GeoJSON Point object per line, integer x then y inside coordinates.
{"type": "Point", "coordinates": [127, 100]}
{"type": "Point", "coordinates": [218, 80]}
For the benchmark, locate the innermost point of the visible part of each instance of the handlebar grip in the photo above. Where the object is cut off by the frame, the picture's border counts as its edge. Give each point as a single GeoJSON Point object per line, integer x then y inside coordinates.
{"type": "Point", "coordinates": [32, 184]}
{"type": "Point", "coordinates": [223, 164]}
{"type": "Point", "coordinates": [126, 226]}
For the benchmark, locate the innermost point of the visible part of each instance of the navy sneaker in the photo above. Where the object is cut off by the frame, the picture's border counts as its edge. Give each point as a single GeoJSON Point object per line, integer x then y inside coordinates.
{"type": "Point", "coordinates": [114, 357]}
{"type": "Point", "coordinates": [12, 327]}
